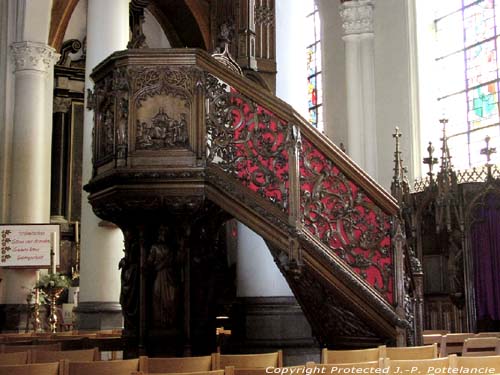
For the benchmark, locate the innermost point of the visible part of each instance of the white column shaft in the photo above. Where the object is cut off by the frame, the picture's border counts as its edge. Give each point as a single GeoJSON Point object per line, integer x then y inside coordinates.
{"type": "Point", "coordinates": [355, 146]}
{"type": "Point", "coordinates": [357, 16]}
{"type": "Point", "coordinates": [30, 189]}
{"type": "Point", "coordinates": [32, 135]}
{"type": "Point", "coordinates": [31, 150]}
{"type": "Point", "coordinates": [107, 32]}
{"type": "Point", "coordinates": [369, 113]}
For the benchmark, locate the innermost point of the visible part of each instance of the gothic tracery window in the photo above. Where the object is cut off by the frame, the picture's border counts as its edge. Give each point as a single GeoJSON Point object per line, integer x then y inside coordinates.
{"type": "Point", "coordinates": [467, 66]}
{"type": "Point", "coordinates": [313, 55]}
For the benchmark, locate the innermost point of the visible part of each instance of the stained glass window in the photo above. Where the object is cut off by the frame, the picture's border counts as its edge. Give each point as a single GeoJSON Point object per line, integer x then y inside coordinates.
{"type": "Point", "coordinates": [468, 37]}
{"type": "Point", "coordinates": [313, 56]}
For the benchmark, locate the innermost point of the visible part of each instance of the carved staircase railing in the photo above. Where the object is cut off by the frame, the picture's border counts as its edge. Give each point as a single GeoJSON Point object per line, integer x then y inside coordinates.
{"type": "Point", "coordinates": [180, 122]}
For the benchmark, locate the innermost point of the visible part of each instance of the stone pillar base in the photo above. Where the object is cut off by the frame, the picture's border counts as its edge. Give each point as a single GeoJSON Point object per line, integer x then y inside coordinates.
{"type": "Point", "coordinates": [98, 315]}
{"type": "Point", "coordinates": [265, 324]}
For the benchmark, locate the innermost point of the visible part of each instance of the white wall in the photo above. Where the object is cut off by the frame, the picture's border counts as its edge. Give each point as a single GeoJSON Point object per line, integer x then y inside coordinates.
{"type": "Point", "coordinates": [155, 37]}
{"type": "Point", "coordinates": [256, 273]}
{"type": "Point", "coordinates": [334, 84]}
{"type": "Point", "coordinates": [394, 86]}
{"type": "Point", "coordinates": [77, 25]}
{"type": "Point", "coordinates": [393, 83]}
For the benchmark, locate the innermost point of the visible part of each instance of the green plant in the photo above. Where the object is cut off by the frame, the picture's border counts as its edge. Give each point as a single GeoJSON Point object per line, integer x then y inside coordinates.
{"type": "Point", "coordinates": [53, 280]}
{"type": "Point", "coordinates": [31, 296]}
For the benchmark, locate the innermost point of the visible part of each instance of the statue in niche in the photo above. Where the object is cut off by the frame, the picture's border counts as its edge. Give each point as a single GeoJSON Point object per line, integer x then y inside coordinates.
{"type": "Point", "coordinates": [162, 260]}
{"type": "Point", "coordinates": [129, 297]}
{"type": "Point", "coordinates": [455, 267]}
{"type": "Point", "coordinates": [108, 132]}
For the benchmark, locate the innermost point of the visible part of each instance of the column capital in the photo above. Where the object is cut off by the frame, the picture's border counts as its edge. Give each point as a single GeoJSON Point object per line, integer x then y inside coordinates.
{"type": "Point", "coordinates": [357, 16]}
{"type": "Point", "coordinates": [33, 56]}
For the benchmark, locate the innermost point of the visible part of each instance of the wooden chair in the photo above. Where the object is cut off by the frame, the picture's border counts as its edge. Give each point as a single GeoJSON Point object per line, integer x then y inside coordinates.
{"type": "Point", "coordinates": [418, 366]}
{"type": "Point", "coordinates": [465, 364]}
{"type": "Point", "coordinates": [4, 348]}
{"type": "Point", "coordinates": [56, 368]}
{"type": "Point", "coordinates": [410, 352]}
{"type": "Point", "coordinates": [297, 370]}
{"type": "Point", "coordinates": [42, 356]}
{"type": "Point", "coordinates": [111, 347]}
{"type": "Point", "coordinates": [432, 339]}
{"type": "Point", "coordinates": [186, 364]}
{"type": "Point", "coordinates": [342, 368]}
{"type": "Point", "coordinates": [274, 359]}
{"type": "Point", "coordinates": [228, 371]}
{"type": "Point", "coordinates": [488, 334]}
{"type": "Point", "coordinates": [350, 356]}
{"type": "Point", "coordinates": [118, 367]}
{"type": "Point", "coordinates": [479, 346]}
{"type": "Point", "coordinates": [67, 342]}
{"type": "Point", "coordinates": [435, 332]}
{"type": "Point", "coordinates": [17, 358]}
{"type": "Point", "coordinates": [453, 343]}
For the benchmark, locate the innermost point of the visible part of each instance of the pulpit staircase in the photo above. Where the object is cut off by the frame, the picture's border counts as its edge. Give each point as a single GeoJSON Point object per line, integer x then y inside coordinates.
{"type": "Point", "coordinates": [177, 134]}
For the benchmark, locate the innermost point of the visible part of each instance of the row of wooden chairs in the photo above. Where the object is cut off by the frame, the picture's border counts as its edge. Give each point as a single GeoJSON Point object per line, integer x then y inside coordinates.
{"type": "Point", "coordinates": [452, 364]}
{"type": "Point", "coordinates": [374, 354]}
{"type": "Point", "coordinates": [445, 365]}
{"type": "Point", "coordinates": [76, 366]}
{"type": "Point", "coordinates": [46, 356]}
{"type": "Point", "coordinates": [467, 344]}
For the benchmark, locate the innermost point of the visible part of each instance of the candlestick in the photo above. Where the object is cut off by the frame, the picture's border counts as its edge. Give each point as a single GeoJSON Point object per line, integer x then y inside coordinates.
{"type": "Point", "coordinates": [77, 236]}
{"type": "Point", "coordinates": [53, 244]}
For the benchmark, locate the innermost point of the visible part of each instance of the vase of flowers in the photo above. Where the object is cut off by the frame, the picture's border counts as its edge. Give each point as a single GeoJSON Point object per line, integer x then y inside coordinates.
{"type": "Point", "coordinates": [53, 284]}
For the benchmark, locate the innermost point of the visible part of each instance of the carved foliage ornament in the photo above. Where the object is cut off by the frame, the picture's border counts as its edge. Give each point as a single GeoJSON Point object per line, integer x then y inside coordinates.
{"type": "Point", "coordinates": [33, 56]}
{"type": "Point", "coordinates": [357, 16]}
{"type": "Point", "coordinates": [339, 214]}
{"type": "Point", "coordinates": [249, 142]}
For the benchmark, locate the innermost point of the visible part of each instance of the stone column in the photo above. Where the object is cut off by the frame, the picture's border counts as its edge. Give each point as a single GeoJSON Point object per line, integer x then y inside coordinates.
{"type": "Point", "coordinates": [357, 22]}
{"type": "Point", "coordinates": [31, 148]}
{"type": "Point", "coordinates": [101, 245]}
{"type": "Point", "coordinates": [30, 179]}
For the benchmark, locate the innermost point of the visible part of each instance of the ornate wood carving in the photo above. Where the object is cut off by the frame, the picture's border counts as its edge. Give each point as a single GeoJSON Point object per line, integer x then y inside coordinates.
{"type": "Point", "coordinates": [341, 215]}
{"type": "Point", "coordinates": [249, 142]}
{"type": "Point", "coordinates": [178, 148]}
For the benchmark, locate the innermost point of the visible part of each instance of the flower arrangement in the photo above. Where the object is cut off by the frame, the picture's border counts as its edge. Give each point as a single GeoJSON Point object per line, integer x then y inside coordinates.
{"type": "Point", "coordinates": [31, 297]}
{"type": "Point", "coordinates": [53, 281]}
